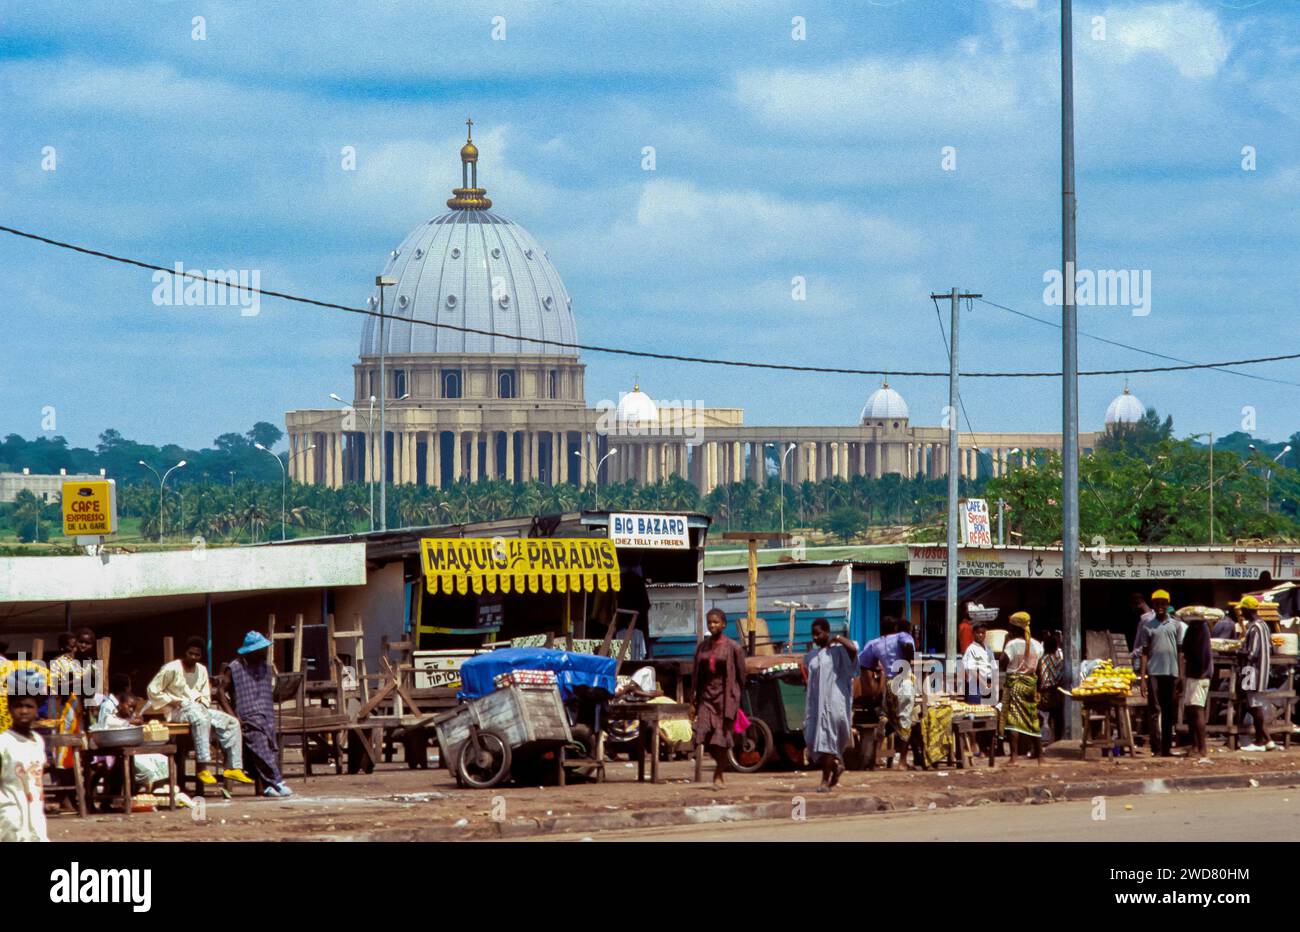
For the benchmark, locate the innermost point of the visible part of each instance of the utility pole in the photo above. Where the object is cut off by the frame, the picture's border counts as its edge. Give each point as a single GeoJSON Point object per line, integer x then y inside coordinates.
{"type": "Point", "coordinates": [383, 281]}
{"type": "Point", "coordinates": [1070, 615]}
{"type": "Point", "coordinates": [950, 627]}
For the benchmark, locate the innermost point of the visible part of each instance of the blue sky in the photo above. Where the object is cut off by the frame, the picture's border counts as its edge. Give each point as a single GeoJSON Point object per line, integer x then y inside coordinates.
{"type": "Point", "coordinates": [775, 158]}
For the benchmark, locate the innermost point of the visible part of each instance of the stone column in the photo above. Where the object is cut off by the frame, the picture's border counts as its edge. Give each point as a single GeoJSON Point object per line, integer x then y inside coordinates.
{"type": "Point", "coordinates": [490, 454]}
{"type": "Point", "coordinates": [433, 459]}
{"type": "Point", "coordinates": [534, 457]}
{"type": "Point", "coordinates": [473, 456]}
{"type": "Point", "coordinates": [309, 464]}
{"type": "Point", "coordinates": [844, 459]}
{"type": "Point", "coordinates": [455, 456]}
{"type": "Point", "coordinates": [326, 460]}
{"type": "Point", "coordinates": [564, 455]}
{"type": "Point", "coordinates": [510, 456]}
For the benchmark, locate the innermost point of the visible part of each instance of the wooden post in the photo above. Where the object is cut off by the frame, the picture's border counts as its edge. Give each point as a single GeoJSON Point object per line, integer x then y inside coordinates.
{"type": "Point", "coordinates": [103, 649]}
{"type": "Point", "coordinates": [749, 633]}
{"type": "Point", "coordinates": [169, 648]}
{"type": "Point", "coordinates": [297, 643]}
{"type": "Point", "coordinates": [38, 649]}
{"type": "Point", "coordinates": [331, 648]}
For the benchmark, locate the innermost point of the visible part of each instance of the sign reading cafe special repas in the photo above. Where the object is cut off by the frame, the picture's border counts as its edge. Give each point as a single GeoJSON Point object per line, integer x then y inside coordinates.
{"type": "Point", "coordinates": [655, 532]}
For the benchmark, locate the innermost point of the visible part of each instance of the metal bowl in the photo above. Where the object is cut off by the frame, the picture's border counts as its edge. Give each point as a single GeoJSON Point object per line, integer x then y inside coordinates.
{"type": "Point", "coordinates": [117, 737]}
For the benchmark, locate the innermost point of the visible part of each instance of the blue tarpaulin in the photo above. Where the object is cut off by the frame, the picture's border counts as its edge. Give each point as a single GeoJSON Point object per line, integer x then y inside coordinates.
{"type": "Point", "coordinates": [478, 672]}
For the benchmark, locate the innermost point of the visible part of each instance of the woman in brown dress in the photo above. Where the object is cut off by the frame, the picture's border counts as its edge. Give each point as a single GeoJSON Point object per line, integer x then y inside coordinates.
{"type": "Point", "coordinates": [719, 676]}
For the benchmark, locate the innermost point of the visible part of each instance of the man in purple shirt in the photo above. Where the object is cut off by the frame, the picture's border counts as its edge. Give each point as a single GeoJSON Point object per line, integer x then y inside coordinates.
{"type": "Point", "coordinates": [883, 652]}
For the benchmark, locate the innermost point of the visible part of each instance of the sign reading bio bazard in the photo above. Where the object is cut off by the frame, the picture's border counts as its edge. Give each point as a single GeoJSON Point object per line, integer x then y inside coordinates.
{"type": "Point", "coordinates": [89, 508]}
{"type": "Point", "coordinates": [652, 532]}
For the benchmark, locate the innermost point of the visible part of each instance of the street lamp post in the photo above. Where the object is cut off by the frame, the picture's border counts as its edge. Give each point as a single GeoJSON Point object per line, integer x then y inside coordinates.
{"type": "Point", "coordinates": [283, 483]}
{"type": "Point", "coordinates": [383, 281]}
{"type": "Point", "coordinates": [162, 482]}
{"type": "Point", "coordinates": [596, 475]}
{"type": "Point", "coordinates": [370, 443]}
{"type": "Point", "coordinates": [780, 476]}
{"type": "Point", "coordinates": [1268, 477]}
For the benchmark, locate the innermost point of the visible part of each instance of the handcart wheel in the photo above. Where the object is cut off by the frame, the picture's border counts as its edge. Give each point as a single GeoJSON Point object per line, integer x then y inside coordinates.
{"type": "Point", "coordinates": [484, 761]}
{"type": "Point", "coordinates": [753, 747]}
{"type": "Point", "coordinates": [582, 747]}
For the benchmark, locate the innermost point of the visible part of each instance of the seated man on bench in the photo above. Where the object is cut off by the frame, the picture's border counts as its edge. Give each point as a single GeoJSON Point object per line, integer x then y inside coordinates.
{"type": "Point", "coordinates": [181, 690]}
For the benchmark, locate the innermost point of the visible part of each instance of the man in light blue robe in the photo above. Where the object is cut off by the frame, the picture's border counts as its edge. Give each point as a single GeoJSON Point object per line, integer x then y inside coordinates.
{"type": "Point", "coordinates": [828, 718]}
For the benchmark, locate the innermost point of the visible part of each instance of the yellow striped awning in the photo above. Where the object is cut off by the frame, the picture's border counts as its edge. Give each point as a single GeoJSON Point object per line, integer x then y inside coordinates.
{"type": "Point", "coordinates": [458, 565]}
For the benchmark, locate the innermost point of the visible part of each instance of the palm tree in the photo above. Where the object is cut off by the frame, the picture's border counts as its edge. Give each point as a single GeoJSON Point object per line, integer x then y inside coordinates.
{"type": "Point", "coordinates": [256, 517]}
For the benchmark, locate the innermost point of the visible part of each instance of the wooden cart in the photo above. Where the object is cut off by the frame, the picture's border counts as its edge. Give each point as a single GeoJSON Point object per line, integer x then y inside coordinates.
{"type": "Point", "coordinates": [480, 738]}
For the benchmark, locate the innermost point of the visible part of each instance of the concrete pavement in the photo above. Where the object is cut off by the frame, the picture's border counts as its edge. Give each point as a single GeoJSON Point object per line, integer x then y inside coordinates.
{"type": "Point", "coordinates": [1207, 816]}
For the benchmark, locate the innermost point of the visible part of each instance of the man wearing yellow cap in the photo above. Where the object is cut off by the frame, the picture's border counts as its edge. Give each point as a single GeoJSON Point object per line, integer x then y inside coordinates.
{"type": "Point", "coordinates": [1157, 642]}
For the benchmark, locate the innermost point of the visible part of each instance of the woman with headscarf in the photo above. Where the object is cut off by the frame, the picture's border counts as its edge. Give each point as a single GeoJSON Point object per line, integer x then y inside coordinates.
{"type": "Point", "coordinates": [719, 677]}
{"type": "Point", "coordinates": [1021, 655]}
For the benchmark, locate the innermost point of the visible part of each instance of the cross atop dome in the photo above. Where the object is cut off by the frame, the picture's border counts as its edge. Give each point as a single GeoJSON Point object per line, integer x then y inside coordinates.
{"type": "Point", "coordinates": [469, 196]}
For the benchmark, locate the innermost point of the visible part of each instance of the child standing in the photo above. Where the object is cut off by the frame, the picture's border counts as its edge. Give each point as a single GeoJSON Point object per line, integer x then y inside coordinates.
{"type": "Point", "coordinates": [22, 762]}
{"type": "Point", "coordinates": [900, 704]}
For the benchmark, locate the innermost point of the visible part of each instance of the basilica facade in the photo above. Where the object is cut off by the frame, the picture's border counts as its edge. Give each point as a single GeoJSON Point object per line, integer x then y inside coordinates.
{"type": "Point", "coordinates": [477, 365]}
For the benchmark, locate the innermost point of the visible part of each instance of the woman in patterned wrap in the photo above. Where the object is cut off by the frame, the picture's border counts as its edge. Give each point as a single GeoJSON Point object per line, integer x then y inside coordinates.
{"type": "Point", "coordinates": [719, 676]}
{"type": "Point", "coordinates": [1021, 655]}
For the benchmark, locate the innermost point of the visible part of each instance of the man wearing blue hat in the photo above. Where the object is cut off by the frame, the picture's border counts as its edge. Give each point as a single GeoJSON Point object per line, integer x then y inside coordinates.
{"type": "Point", "coordinates": [252, 681]}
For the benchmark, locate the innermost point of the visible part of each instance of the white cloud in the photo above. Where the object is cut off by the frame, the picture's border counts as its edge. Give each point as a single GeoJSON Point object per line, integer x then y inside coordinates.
{"type": "Point", "coordinates": [1187, 35]}
{"type": "Point", "coordinates": [898, 95]}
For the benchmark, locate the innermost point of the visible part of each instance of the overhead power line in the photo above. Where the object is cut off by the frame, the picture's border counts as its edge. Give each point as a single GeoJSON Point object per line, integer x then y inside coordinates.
{"type": "Point", "coordinates": [620, 351]}
{"type": "Point", "coordinates": [1136, 349]}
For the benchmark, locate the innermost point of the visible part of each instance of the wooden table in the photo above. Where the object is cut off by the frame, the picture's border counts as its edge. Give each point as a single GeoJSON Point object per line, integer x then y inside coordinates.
{"type": "Point", "coordinates": [1226, 699]}
{"type": "Point", "coordinates": [126, 753]}
{"type": "Point", "coordinates": [967, 728]}
{"type": "Point", "coordinates": [649, 715]}
{"type": "Point", "coordinates": [1113, 712]}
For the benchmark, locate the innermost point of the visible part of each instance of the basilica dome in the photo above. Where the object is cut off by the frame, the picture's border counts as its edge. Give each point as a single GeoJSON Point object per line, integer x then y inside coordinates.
{"type": "Point", "coordinates": [1125, 409]}
{"type": "Point", "coordinates": [636, 407]}
{"type": "Point", "coordinates": [471, 268]}
{"type": "Point", "coordinates": [884, 402]}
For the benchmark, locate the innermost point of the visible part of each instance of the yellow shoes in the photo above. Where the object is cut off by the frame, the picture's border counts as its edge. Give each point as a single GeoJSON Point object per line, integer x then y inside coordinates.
{"type": "Point", "coordinates": [237, 775]}
{"type": "Point", "coordinates": [206, 777]}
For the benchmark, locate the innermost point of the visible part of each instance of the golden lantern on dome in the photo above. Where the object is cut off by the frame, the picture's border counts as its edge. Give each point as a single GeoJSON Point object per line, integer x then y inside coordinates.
{"type": "Point", "coordinates": [469, 196]}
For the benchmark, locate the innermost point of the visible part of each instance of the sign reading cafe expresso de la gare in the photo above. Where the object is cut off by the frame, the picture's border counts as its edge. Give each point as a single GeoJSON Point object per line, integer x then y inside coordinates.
{"type": "Point", "coordinates": [658, 532]}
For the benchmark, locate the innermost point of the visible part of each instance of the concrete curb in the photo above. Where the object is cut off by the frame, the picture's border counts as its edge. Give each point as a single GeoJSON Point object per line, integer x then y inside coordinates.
{"type": "Point", "coordinates": [815, 807]}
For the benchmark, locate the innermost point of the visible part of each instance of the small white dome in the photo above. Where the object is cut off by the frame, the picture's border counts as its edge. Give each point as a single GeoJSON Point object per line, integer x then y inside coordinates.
{"type": "Point", "coordinates": [636, 407]}
{"type": "Point", "coordinates": [884, 402]}
{"type": "Point", "coordinates": [1125, 409]}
